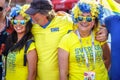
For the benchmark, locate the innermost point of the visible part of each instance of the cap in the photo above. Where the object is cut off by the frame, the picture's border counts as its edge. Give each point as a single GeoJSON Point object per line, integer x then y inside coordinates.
{"type": "Point", "coordinates": [38, 6]}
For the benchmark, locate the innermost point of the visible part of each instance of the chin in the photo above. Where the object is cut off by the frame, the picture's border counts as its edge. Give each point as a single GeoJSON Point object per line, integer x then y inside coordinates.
{"type": "Point", "coordinates": [20, 32]}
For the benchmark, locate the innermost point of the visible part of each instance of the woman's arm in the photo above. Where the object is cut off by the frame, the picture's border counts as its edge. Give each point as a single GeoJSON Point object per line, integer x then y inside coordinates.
{"type": "Point", "coordinates": [63, 57]}
{"type": "Point", "coordinates": [106, 55]}
{"type": "Point", "coordinates": [32, 64]}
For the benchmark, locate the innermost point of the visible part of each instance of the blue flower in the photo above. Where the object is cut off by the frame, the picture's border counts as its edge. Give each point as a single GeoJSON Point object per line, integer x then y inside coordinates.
{"type": "Point", "coordinates": [101, 12]}
{"type": "Point", "coordinates": [15, 11]}
{"type": "Point", "coordinates": [85, 8]}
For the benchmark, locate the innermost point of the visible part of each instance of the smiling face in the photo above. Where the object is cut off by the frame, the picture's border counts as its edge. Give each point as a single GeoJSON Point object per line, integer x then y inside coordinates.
{"type": "Point", "coordinates": [19, 24]}
{"type": "Point", "coordinates": [86, 22]}
{"type": "Point", "coordinates": [39, 18]}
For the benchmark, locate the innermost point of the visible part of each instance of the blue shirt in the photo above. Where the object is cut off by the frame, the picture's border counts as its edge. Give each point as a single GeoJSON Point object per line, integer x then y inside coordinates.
{"type": "Point", "coordinates": [113, 25]}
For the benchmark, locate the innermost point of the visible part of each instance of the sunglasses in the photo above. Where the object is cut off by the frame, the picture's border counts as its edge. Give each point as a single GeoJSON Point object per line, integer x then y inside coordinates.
{"type": "Point", "coordinates": [1, 9]}
{"type": "Point", "coordinates": [88, 19]}
{"type": "Point", "coordinates": [22, 22]}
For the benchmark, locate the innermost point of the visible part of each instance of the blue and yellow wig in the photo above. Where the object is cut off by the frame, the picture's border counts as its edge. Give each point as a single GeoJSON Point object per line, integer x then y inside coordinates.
{"type": "Point", "coordinates": [88, 6]}
{"type": "Point", "coordinates": [20, 10]}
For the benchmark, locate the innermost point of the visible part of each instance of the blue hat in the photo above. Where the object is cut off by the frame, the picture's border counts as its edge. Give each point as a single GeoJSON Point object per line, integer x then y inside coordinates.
{"type": "Point", "coordinates": [39, 6]}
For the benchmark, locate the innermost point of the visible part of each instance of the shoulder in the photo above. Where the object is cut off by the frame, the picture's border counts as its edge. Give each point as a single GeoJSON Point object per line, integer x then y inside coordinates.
{"type": "Point", "coordinates": [71, 33]}
{"type": "Point", "coordinates": [66, 18]}
{"type": "Point", "coordinates": [66, 41]}
{"type": "Point", "coordinates": [68, 37]}
{"type": "Point", "coordinates": [111, 18]}
{"type": "Point", "coordinates": [64, 22]}
{"type": "Point", "coordinates": [30, 44]}
{"type": "Point", "coordinates": [30, 41]}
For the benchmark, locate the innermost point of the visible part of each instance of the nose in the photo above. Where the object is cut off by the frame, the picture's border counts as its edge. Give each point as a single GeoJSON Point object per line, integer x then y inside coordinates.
{"type": "Point", "coordinates": [18, 24]}
{"type": "Point", "coordinates": [84, 21]}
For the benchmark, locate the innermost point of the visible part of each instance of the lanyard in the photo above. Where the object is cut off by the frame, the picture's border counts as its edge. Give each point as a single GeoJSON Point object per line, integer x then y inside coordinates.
{"type": "Point", "coordinates": [85, 54]}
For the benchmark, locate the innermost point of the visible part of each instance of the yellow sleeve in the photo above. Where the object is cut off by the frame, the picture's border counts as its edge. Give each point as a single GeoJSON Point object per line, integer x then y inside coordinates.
{"type": "Point", "coordinates": [64, 43]}
{"type": "Point", "coordinates": [31, 47]}
{"type": "Point", "coordinates": [102, 43]}
{"type": "Point", "coordinates": [69, 23]}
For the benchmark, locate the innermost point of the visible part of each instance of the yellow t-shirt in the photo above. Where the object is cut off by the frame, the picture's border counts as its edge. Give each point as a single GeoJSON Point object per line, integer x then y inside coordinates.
{"type": "Point", "coordinates": [77, 64]}
{"type": "Point", "coordinates": [15, 68]}
{"type": "Point", "coordinates": [46, 41]}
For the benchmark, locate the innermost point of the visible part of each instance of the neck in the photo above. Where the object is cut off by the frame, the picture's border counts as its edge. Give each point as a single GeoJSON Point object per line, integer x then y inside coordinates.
{"type": "Point", "coordinates": [84, 34]}
{"type": "Point", "coordinates": [20, 37]}
{"type": "Point", "coordinates": [44, 22]}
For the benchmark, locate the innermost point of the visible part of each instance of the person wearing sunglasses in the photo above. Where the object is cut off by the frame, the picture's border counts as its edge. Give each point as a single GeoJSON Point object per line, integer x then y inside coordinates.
{"type": "Point", "coordinates": [80, 55]}
{"type": "Point", "coordinates": [20, 64]}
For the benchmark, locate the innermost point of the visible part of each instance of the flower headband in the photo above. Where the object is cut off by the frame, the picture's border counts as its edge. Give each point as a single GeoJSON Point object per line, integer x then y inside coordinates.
{"type": "Point", "coordinates": [20, 10]}
{"type": "Point", "coordinates": [92, 7]}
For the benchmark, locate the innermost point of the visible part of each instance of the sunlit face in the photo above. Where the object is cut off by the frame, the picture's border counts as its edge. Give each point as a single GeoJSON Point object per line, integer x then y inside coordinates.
{"type": "Point", "coordinates": [86, 22]}
{"type": "Point", "coordinates": [37, 18]}
{"type": "Point", "coordinates": [19, 24]}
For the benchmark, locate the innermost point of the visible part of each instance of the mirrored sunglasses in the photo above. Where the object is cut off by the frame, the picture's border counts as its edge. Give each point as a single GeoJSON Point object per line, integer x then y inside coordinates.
{"type": "Point", "coordinates": [1, 9]}
{"type": "Point", "coordinates": [22, 22]}
{"type": "Point", "coordinates": [88, 19]}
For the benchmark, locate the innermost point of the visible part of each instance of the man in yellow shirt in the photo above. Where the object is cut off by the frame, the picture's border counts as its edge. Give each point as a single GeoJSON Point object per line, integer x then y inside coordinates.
{"type": "Point", "coordinates": [47, 34]}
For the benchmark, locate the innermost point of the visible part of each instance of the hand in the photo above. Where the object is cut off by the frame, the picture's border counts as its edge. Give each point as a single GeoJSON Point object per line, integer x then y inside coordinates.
{"type": "Point", "coordinates": [102, 34]}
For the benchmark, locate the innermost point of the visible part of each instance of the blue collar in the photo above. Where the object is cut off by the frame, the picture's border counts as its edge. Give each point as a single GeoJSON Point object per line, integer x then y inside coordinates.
{"type": "Point", "coordinates": [46, 24]}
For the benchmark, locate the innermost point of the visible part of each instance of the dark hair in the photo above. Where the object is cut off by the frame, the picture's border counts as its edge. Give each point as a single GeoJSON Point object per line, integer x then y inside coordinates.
{"type": "Point", "coordinates": [11, 42]}
{"type": "Point", "coordinates": [96, 23]}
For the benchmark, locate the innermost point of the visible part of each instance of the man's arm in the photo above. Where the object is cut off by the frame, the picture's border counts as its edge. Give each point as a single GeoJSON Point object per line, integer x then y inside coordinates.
{"type": "Point", "coordinates": [102, 34]}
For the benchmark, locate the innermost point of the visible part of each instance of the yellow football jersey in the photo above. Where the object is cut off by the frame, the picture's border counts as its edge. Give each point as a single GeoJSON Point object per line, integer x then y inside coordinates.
{"type": "Point", "coordinates": [46, 41]}
{"type": "Point", "coordinates": [77, 62]}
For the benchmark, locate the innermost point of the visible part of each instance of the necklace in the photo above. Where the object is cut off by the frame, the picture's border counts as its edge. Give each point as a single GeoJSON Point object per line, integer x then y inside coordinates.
{"type": "Point", "coordinates": [85, 53]}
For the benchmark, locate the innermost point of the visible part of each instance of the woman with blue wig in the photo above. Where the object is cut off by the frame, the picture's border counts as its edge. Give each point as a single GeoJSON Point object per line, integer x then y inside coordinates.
{"type": "Point", "coordinates": [81, 56]}
{"type": "Point", "coordinates": [22, 57]}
